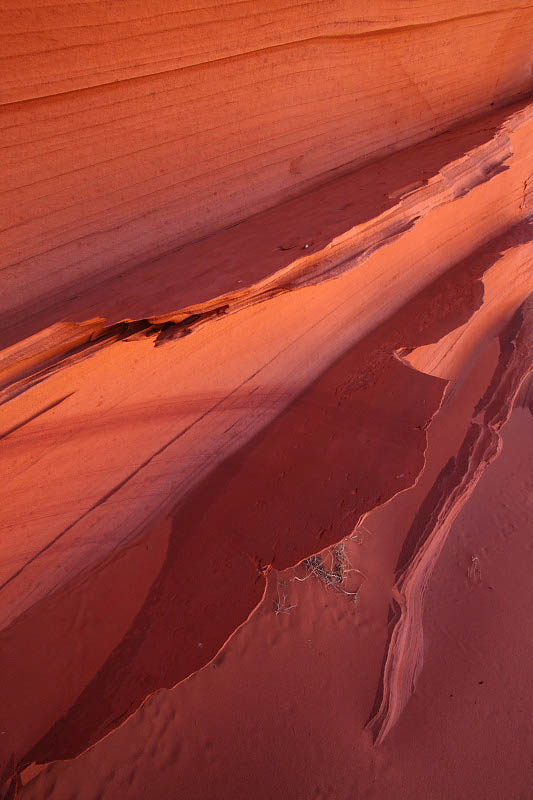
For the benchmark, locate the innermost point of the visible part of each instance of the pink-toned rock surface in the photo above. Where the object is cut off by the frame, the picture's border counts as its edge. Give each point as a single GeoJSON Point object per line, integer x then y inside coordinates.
{"type": "Point", "coordinates": [129, 131]}
{"type": "Point", "coordinates": [295, 689]}
{"type": "Point", "coordinates": [266, 305]}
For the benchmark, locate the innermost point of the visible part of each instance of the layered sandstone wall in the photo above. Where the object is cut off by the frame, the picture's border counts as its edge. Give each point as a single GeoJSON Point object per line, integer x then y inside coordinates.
{"type": "Point", "coordinates": [129, 130]}
{"type": "Point", "coordinates": [265, 281]}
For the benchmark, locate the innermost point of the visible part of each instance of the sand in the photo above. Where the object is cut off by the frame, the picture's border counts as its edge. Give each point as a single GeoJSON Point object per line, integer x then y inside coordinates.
{"type": "Point", "coordinates": [294, 689]}
{"type": "Point", "coordinates": [266, 345]}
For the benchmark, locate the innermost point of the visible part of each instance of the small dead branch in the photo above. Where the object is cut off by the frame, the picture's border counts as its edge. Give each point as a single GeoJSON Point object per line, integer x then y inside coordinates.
{"type": "Point", "coordinates": [280, 604]}
{"type": "Point", "coordinates": [474, 571]}
{"type": "Point", "coordinates": [332, 576]}
{"type": "Point", "coordinates": [356, 535]}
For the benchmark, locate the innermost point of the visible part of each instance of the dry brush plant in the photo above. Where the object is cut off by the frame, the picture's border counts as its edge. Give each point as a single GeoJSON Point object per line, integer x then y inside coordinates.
{"type": "Point", "coordinates": [281, 605]}
{"type": "Point", "coordinates": [334, 575]}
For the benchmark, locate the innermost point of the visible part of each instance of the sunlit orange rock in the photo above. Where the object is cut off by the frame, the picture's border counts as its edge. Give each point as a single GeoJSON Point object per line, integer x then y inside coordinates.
{"type": "Point", "coordinates": [265, 315]}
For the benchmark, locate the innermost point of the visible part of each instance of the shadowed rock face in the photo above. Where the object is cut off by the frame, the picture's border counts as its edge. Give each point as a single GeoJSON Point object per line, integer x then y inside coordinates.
{"type": "Point", "coordinates": [266, 280]}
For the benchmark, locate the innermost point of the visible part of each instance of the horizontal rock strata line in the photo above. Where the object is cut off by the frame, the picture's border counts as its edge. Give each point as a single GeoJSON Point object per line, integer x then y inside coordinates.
{"type": "Point", "coordinates": [98, 183]}
{"type": "Point", "coordinates": [83, 43]}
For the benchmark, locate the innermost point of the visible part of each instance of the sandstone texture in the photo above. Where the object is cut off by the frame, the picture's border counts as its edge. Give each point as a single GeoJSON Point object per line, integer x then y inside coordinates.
{"type": "Point", "coordinates": [266, 346]}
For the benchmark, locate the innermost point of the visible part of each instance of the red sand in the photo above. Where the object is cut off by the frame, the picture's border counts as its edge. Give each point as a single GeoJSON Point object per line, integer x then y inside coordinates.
{"type": "Point", "coordinates": [267, 283]}
{"type": "Point", "coordinates": [294, 690]}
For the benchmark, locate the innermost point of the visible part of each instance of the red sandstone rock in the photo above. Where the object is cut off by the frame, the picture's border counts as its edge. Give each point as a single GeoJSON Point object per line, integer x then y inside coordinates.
{"type": "Point", "coordinates": [265, 287]}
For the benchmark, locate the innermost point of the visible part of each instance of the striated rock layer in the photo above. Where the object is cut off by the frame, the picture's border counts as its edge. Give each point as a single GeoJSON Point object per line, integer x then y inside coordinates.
{"type": "Point", "coordinates": [266, 307]}
{"type": "Point", "coordinates": [130, 131]}
{"type": "Point", "coordinates": [427, 535]}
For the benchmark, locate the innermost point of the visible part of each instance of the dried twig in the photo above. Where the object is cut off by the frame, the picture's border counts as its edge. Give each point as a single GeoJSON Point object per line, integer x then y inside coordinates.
{"type": "Point", "coordinates": [333, 576]}
{"type": "Point", "coordinates": [474, 571]}
{"type": "Point", "coordinates": [280, 604]}
{"type": "Point", "coordinates": [356, 536]}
